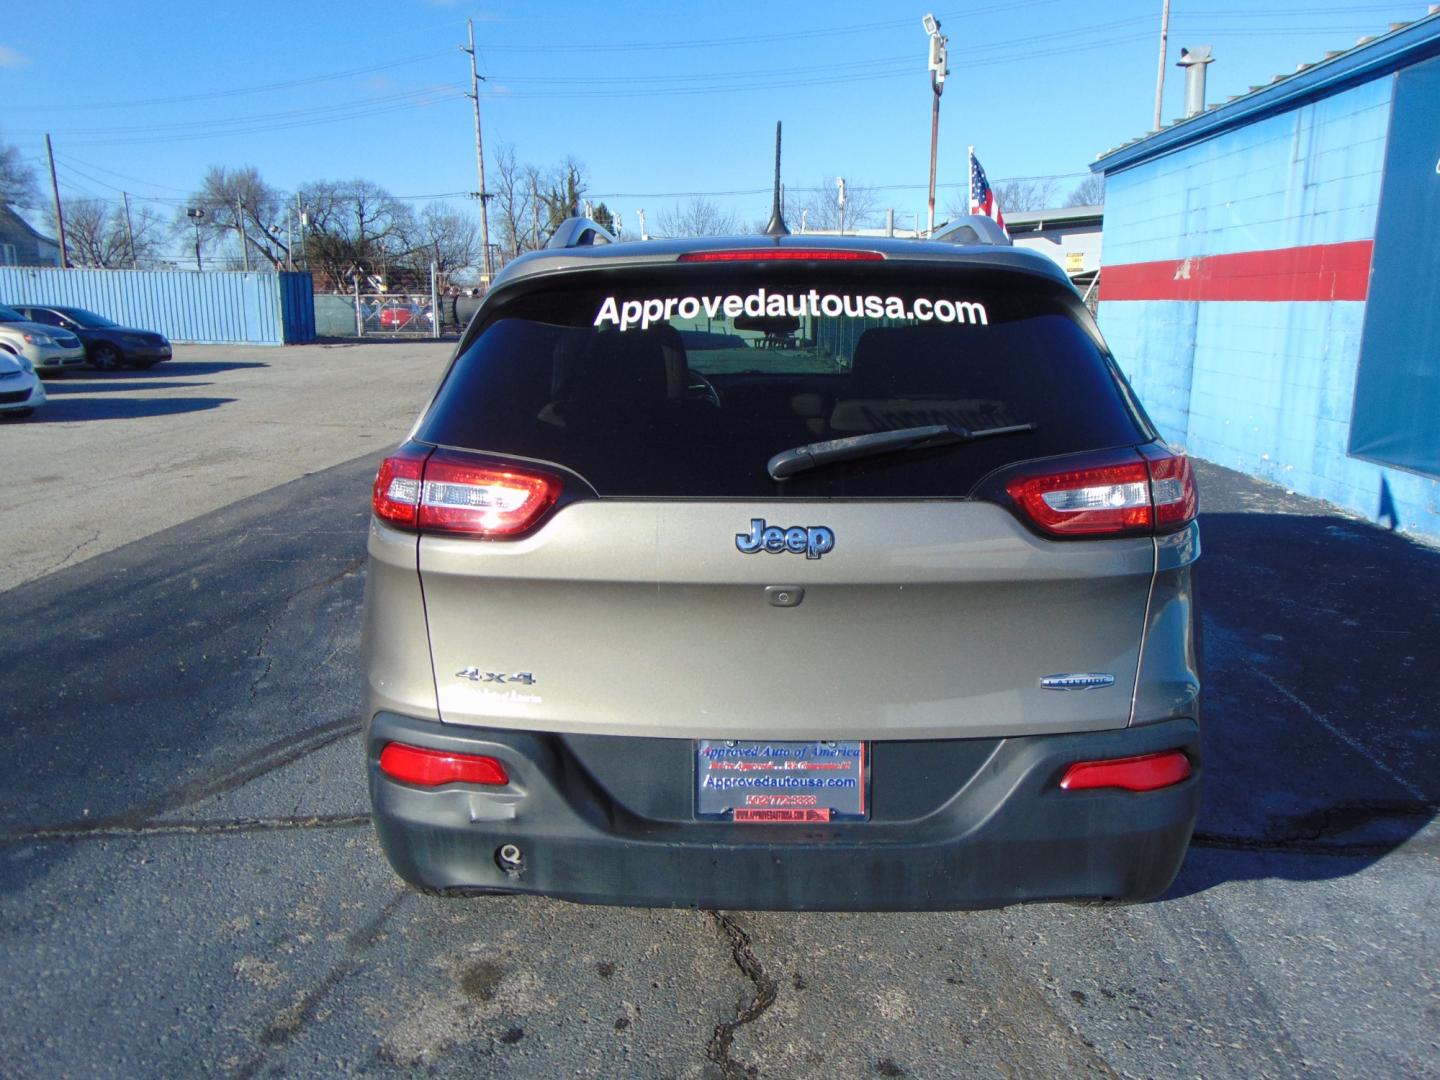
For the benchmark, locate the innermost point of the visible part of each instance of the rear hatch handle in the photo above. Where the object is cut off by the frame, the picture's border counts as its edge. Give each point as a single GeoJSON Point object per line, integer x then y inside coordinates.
{"type": "Point", "coordinates": [800, 459]}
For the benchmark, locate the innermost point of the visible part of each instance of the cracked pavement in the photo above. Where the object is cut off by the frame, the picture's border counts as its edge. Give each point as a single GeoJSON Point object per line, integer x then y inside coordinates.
{"type": "Point", "coordinates": [189, 884]}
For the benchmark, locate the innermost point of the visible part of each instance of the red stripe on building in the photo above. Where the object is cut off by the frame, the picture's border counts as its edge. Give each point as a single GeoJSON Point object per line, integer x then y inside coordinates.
{"type": "Point", "coordinates": [1318, 272]}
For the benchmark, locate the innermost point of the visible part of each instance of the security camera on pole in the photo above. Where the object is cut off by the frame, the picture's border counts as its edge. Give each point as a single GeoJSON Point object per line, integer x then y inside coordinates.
{"type": "Point", "coordinates": [939, 68]}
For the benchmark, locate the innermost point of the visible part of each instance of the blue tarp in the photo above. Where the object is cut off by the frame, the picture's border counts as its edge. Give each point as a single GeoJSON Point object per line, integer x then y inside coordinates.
{"type": "Point", "coordinates": [1397, 387]}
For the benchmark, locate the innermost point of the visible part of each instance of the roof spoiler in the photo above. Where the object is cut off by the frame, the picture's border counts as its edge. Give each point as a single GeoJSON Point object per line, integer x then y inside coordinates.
{"type": "Point", "coordinates": [974, 229]}
{"type": "Point", "coordinates": [581, 232]}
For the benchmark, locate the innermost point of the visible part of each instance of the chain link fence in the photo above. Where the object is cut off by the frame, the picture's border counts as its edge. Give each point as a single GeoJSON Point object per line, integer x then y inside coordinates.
{"type": "Point", "coordinates": [372, 310]}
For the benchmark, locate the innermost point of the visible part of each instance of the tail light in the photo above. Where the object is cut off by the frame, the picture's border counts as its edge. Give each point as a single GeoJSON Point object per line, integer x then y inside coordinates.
{"type": "Point", "coordinates": [1148, 772]}
{"type": "Point", "coordinates": [1126, 494]}
{"type": "Point", "coordinates": [448, 492]}
{"type": "Point", "coordinates": [462, 496]}
{"type": "Point", "coordinates": [1177, 499]}
{"type": "Point", "coordinates": [396, 496]}
{"type": "Point", "coordinates": [431, 768]}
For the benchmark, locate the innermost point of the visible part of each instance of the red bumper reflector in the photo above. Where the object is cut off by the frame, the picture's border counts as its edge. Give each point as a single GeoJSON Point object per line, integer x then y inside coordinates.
{"type": "Point", "coordinates": [431, 768]}
{"type": "Point", "coordinates": [1148, 772]}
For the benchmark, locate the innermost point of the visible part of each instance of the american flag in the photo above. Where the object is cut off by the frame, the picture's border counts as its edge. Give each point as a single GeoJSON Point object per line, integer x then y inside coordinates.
{"type": "Point", "coordinates": [982, 199]}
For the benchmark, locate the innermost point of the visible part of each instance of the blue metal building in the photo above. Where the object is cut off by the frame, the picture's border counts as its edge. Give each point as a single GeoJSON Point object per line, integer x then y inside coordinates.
{"type": "Point", "coordinates": [1271, 278]}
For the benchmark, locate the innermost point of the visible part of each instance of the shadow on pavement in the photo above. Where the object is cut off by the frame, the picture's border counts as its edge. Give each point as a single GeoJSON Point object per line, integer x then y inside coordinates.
{"type": "Point", "coordinates": [105, 386]}
{"type": "Point", "coordinates": [67, 411]}
{"type": "Point", "coordinates": [181, 666]}
{"type": "Point", "coordinates": [1320, 733]}
{"type": "Point", "coordinates": [167, 369]}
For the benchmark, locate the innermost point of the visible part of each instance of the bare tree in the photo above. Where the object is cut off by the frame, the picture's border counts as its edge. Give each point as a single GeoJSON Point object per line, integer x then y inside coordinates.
{"type": "Point", "coordinates": [562, 192]}
{"type": "Point", "coordinates": [97, 234]}
{"type": "Point", "coordinates": [698, 217]}
{"type": "Point", "coordinates": [446, 237]}
{"type": "Point", "coordinates": [511, 195]}
{"type": "Point", "coordinates": [527, 202]}
{"type": "Point", "coordinates": [17, 179]}
{"type": "Point", "coordinates": [1038, 194]}
{"type": "Point", "coordinates": [819, 207]}
{"type": "Point", "coordinates": [238, 203]}
{"type": "Point", "coordinates": [356, 227]}
{"type": "Point", "coordinates": [1089, 192]}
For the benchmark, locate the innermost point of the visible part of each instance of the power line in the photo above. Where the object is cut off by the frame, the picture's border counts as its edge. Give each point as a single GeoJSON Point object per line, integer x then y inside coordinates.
{"type": "Point", "coordinates": [1276, 12]}
{"type": "Point", "coordinates": [70, 168]}
{"type": "Point", "coordinates": [190, 199]}
{"type": "Point", "coordinates": [754, 87]}
{"type": "Point", "coordinates": [906, 60]}
{"type": "Point", "coordinates": [111, 172]}
{"type": "Point", "coordinates": [414, 96]}
{"type": "Point", "coordinates": [255, 129]}
{"type": "Point", "coordinates": [233, 92]}
{"type": "Point", "coordinates": [887, 67]}
{"type": "Point", "coordinates": [754, 39]}
{"type": "Point", "coordinates": [810, 190]}
{"type": "Point", "coordinates": [713, 83]}
{"type": "Point", "coordinates": [697, 76]}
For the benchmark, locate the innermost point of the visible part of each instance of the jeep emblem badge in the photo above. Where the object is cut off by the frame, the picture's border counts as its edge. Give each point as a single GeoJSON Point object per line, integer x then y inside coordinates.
{"type": "Point", "coordinates": [812, 540]}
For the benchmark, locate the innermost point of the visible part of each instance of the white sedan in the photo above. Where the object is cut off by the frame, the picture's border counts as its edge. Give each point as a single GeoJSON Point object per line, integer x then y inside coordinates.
{"type": "Point", "coordinates": [20, 388]}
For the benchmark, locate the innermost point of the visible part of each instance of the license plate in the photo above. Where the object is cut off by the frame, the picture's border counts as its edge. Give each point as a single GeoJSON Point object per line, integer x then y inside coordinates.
{"type": "Point", "coordinates": [794, 783]}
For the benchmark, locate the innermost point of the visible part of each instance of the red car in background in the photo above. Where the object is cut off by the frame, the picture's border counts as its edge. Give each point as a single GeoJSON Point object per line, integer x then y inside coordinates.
{"type": "Point", "coordinates": [400, 314]}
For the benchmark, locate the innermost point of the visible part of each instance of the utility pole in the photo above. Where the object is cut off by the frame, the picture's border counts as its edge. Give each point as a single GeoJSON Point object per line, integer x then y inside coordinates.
{"type": "Point", "coordinates": [482, 195]}
{"type": "Point", "coordinates": [55, 190]}
{"type": "Point", "coordinates": [240, 228]}
{"type": "Point", "coordinates": [129, 230]}
{"type": "Point", "coordinates": [939, 68]}
{"type": "Point", "coordinates": [1160, 71]}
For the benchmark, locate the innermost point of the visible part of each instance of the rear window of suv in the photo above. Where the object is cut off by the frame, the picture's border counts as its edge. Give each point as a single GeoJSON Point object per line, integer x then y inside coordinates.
{"type": "Point", "coordinates": [684, 383]}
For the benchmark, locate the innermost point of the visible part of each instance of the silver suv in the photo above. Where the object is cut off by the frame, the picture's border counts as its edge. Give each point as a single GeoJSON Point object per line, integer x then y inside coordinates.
{"type": "Point", "coordinates": [783, 572]}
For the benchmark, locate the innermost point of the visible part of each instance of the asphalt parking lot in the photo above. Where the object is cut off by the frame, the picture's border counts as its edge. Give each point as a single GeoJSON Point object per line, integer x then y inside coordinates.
{"type": "Point", "coordinates": [189, 884]}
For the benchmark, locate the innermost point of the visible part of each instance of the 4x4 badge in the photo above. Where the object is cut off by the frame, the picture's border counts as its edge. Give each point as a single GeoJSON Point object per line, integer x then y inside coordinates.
{"type": "Point", "coordinates": [813, 540]}
{"type": "Point", "coordinates": [525, 678]}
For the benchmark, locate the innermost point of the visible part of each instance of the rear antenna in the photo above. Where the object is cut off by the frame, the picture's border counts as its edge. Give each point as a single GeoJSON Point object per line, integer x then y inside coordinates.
{"type": "Point", "coordinates": [777, 219]}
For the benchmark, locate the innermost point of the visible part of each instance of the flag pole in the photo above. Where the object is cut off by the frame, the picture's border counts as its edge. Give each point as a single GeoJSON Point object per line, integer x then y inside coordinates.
{"type": "Point", "coordinates": [970, 180]}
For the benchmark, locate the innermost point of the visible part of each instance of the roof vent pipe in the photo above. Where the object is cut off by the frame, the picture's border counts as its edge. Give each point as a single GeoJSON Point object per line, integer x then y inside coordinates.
{"type": "Point", "coordinates": [1194, 61]}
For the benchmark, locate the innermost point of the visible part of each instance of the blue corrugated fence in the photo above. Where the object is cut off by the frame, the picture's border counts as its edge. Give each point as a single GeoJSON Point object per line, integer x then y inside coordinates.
{"type": "Point", "coordinates": [220, 307]}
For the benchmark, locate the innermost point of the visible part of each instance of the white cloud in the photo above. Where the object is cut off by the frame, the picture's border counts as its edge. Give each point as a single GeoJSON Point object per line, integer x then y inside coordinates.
{"type": "Point", "coordinates": [10, 58]}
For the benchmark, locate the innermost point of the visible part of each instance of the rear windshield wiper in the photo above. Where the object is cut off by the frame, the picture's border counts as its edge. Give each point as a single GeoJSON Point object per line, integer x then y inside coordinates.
{"type": "Point", "coordinates": [800, 459]}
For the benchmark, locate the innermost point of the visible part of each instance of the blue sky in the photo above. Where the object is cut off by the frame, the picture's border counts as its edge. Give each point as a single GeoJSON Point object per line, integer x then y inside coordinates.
{"type": "Point", "coordinates": [654, 99]}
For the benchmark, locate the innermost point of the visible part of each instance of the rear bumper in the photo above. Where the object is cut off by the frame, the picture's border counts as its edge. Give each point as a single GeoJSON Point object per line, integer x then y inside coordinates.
{"type": "Point", "coordinates": [1000, 834]}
